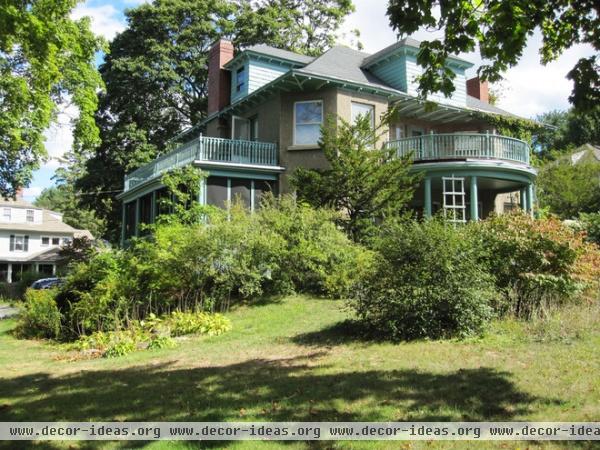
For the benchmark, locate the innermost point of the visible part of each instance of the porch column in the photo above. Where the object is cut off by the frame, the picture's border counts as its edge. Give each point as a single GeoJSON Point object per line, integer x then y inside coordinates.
{"type": "Point", "coordinates": [137, 217]}
{"type": "Point", "coordinates": [530, 198]}
{"type": "Point", "coordinates": [523, 199]}
{"type": "Point", "coordinates": [9, 273]}
{"type": "Point", "coordinates": [123, 224]}
{"type": "Point", "coordinates": [427, 187]}
{"type": "Point", "coordinates": [474, 200]}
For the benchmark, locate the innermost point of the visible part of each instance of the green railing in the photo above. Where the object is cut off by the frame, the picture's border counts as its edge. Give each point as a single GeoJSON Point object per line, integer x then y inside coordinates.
{"type": "Point", "coordinates": [432, 147]}
{"type": "Point", "coordinates": [206, 149]}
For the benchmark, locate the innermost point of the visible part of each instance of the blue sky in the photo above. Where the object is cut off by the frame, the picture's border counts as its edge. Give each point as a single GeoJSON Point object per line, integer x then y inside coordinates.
{"type": "Point", "coordinates": [529, 88]}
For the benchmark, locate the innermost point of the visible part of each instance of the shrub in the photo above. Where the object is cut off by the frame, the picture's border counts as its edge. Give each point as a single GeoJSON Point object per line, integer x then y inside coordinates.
{"type": "Point", "coordinates": [316, 257]}
{"type": "Point", "coordinates": [426, 282]}
{"type": "Point", "coordinates": [40, 317]}
{"type": "Point", "coordinates": [182, 323]}
{"type": "Point", "coordinates": [536, 263]}
{"type": "Point", "coordinates": [591, 226]}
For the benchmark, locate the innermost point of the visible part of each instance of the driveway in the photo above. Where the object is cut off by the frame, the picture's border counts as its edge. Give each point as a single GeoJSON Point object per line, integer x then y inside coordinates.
{"type": "Point", "coordinates": [7, 311]}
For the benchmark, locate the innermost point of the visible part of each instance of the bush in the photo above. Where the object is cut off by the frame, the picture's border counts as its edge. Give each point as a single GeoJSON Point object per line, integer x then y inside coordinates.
{"type": "Point", "coordinates": [40, 317]}
{"type": "Point", "coordinates": [205, 267]}
{"type": "Point", "coordinates": [591, 226]}
{"type": "Point", "coordinates": [536, 263]}
{"type": "Point", "coordinates": [181, 323]}
{"type": "Point", "coordinates": [425, 283]}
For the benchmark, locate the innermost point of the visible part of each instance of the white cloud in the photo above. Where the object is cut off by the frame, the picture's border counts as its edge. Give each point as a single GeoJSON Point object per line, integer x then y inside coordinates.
{"type": "Point", "coordinates": [107, 21]}
{"type": "Point", "coordinates": [531, 88]}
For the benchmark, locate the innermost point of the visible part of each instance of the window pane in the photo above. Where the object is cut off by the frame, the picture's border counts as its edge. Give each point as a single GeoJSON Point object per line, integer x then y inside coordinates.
{"type": "Point", "coordinates": [241, 129]}
{"type": "Point", "coordinates": [55, 241]}
{"type": "Point", "coordinates": [360, 109]}
{"type": "Point", "coordinates": [29, 215]}
{"type": "Point", "coordinates": [240, 191]}
{"type": "Point", "coordinates": [307, 134]}
{"type": "Point", "coordinates": [19, 243]}
{"type": "Point", "coordinates": [45, 241]}
{"type": "Point", "coordinates": [309, 112]}
{"type": "Point", "coordinates": [216, 191]}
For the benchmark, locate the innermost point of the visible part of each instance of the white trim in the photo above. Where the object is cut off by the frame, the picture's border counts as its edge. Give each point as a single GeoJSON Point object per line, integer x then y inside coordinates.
{"type": "Point", "coordinates": [294, 119]}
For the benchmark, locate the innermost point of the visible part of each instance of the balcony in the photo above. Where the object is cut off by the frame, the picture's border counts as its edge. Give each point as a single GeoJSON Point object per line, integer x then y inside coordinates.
{"type": "Point", "coordinates": [441, 147]}
{"type": "Point", "coordinates": [208, 149]}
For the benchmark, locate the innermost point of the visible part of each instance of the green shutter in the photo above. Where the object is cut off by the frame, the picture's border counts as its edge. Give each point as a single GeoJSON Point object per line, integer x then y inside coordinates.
{"type": "Point", "coordinates": [12, 242]}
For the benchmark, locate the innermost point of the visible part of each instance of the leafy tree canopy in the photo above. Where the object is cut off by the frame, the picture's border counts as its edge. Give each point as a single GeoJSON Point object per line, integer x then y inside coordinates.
{"type": "Point", "coordinates": [569, 129]}
{"type": "Point", "coordinates": [500, 29]}
{"type": "Point", "coordinates": [62, 198]}
{"type": "Point", "coordinates": [570, 189]}
{"type": "Point", "coordinates": [364, 183]}
{"type": "Point", "coordinates": [46, 58]}
{"type": "Point", "coordinates": [156, 77]}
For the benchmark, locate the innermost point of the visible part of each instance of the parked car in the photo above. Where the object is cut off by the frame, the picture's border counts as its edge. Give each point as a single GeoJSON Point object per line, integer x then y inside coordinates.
{"type": "Point", "coordinates": [47, 283]}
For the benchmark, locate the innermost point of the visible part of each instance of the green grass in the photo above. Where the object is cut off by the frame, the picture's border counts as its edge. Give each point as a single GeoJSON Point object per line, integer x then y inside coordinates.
{"type": "Point", "coordinates": [291, 360]}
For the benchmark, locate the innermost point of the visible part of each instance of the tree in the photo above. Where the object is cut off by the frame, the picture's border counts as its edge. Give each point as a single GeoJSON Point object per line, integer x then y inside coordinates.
{"type": "Point", "coordinates": [62, 198]}
{"type": "Point", "coordinates": [570, 189]}
{"type": "Point", "coordinates": [569, 129]}
{"type": "Point", "coordinates": [364, 183]}
{"type": "Point", "coordinates": [500, 28]}
{"type": "Point", "coordinates": [156, 78]}
{"type": "Point", "coordinates": [46, 59]}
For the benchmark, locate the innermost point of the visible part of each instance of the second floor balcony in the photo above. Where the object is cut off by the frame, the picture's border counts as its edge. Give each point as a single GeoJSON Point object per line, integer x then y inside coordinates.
{"type": "Point", "coordinates": [461, 146]}
{"type": "Point", "coordinates": [207, 149]}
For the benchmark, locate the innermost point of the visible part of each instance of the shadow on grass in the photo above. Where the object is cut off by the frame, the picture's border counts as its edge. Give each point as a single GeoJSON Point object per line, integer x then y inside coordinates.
{"type": "Point", "coordinates": [280, 390]}
{"type": "Point", "coordinates": [339, 333]}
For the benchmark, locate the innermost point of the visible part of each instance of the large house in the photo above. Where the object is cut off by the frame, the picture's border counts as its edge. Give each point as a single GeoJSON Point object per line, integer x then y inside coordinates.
{"type": "Point", "coordinates": [266, 107]}
{"type": "Point", "coordinates": [30, 239]}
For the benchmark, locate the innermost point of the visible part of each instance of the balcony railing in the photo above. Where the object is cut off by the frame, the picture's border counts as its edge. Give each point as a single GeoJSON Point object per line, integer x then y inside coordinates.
{"type": "Point", "coordinates": [206, 149]}
{"type": "Point", "coordinates": [432, 147]}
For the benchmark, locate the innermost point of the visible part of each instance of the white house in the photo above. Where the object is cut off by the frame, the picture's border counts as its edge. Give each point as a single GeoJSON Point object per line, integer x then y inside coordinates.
{"type": "Point", "coordinates": [30, 238]}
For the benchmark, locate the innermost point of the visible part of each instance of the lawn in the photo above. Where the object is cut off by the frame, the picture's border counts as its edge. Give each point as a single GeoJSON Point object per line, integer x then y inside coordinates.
{"type": "Point", "coordinates": [292, 359]}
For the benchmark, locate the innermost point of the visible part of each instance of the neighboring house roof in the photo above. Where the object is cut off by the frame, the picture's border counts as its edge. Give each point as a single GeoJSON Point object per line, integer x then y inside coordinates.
{"type": "Point", "coordinates": [46, 255]}
{"type": "Point", "coordinates": [51, 222]}
{"type": "Point", "coordinates": [344, 64]}
{"type": "Point", "coordinates": [585, 153]}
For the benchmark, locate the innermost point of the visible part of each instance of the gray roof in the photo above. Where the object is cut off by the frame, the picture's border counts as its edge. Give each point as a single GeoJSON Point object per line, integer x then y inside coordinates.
{"type": "Point", "coordinates": [344, 64]}
{"type": "Point", "coordinates": [46, 255]}
{"type": "Point", "coordinates": [475, 103]}
{"type": "Point", "coordinates": [50, 224]}
{"type": "Point", "coordinates": [406, 42]}
{"type": "Point", "coordinates": [281, 54]}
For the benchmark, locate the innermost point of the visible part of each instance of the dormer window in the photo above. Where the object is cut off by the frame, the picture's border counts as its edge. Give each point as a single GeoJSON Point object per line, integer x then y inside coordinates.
{"type": "Point", "coordinates": [30, 215]}
{"type": "Point", "coordinates": [240, 79]}
{"type": "Point", "coordinates": [6, 213]}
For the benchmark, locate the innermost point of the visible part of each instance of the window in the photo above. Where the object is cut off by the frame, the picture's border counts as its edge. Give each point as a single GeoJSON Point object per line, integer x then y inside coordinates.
{"type": "Point", "coordinates": [67, 241]}
{"type": "Point", "coordinates": [308, 117]}
{"type": "Point", "coordinates": [19, 243]}
{"type": "Point", "coordinates": [45, 241]}
{"type": "Point", "coordinates": [240, 129]}
{"type": "Point", "coordinates": [55, 241]}
{"type": "Point", "coordinates": [254, 128]}
{"type": "Point", "coordinates": [362, 109]}
{"type": "Point", "coordinates": [240, 79]}
{"type": "Point", "coordinates": [6, 214]}
{"type": "Point", "coordinates": [399, 132]}
{"type": "Point", "coordinates": [30, 215]}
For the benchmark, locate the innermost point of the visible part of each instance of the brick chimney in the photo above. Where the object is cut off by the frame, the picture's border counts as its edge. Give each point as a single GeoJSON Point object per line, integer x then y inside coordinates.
{"type": "Point", "coordinates": [219, 80]}
{"type": "Point", "coordinates": [19, 193]}
{"type": "Point", "coordinates": [478, 89]}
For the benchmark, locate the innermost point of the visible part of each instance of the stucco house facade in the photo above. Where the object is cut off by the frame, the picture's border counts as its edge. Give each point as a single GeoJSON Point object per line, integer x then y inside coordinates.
{"type": "Point", "coordinates": [266, 107]}
{"type": "Point", "coordinates": [30, 239]}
